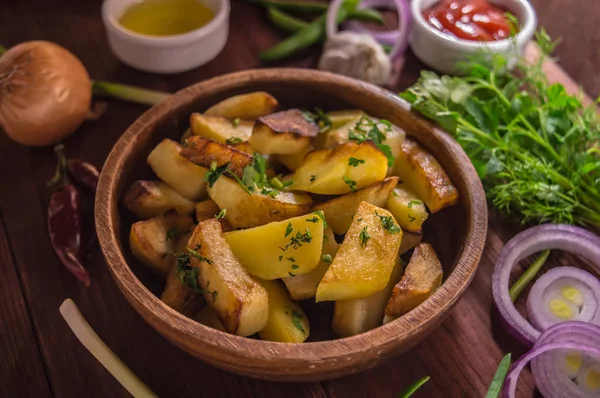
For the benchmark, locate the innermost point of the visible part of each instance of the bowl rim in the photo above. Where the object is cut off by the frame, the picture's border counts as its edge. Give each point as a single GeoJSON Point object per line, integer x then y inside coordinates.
{"type": "Point", "coordinates": [524, 35]}
{"type": "Point", "coordinates": [235, 349]}
{"type": "Point", "coordinates": [110, 22]}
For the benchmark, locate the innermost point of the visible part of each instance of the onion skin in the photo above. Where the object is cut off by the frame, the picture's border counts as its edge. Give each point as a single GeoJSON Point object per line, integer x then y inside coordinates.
{"type": "Point", "coordinates": [45, 93]}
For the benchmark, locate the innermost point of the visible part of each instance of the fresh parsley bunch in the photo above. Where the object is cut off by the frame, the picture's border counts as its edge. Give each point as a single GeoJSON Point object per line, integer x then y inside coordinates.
{"type": "Point", "coordinates": [535, 147]}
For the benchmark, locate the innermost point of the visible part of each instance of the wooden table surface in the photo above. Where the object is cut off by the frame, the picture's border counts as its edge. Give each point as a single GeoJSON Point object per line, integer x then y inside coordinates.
{"type": "Point", "coordinates": [39, 356]}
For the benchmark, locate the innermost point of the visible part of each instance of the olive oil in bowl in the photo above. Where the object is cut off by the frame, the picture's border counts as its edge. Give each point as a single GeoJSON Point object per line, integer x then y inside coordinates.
{"type": "Point", "coordinates": [166, 17]}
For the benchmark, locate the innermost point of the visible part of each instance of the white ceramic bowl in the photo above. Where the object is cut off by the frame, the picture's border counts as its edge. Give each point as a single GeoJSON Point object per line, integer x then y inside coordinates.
{"type": "Point", "coordinates": [166, 54]}
{"type": "Point", "coordinates": [445, 54]}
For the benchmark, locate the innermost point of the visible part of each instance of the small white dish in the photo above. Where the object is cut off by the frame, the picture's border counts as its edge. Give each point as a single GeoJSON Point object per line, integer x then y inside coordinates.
{"type": "Point", "coordinates": [445, 53]}
{"type": "Point", "coordinates": [166, 54]}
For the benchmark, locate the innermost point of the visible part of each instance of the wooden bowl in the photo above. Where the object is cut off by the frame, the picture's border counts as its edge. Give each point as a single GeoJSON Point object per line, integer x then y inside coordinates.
{"type": "Point", "coordinates": [457, 233]}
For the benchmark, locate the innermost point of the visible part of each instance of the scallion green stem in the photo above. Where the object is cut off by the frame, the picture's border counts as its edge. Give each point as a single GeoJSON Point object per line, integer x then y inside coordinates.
{"type": "Point", "coordinates": [3, 49]}
{"type": "Point", "coordinates": [517, 288]}
{"type": "Point", "coordinates": [128, 93]}
{"type": "Point", "coordinates": [285, 21]}
{"type": "Point", "coordinates": [411, 389]}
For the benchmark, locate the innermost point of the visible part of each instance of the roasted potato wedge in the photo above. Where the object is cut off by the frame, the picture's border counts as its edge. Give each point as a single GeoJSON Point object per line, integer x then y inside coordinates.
{"type": "Point", "coordinates": [287, 321]}
{"type": "Point", "coordinates": [181, 174]}
{"type": "Point", "coordinates": [424, 176]}
{"type": "Point", "coordinates": [239, 301]}
{"type": "Point", "coordinates": [283, 133]}
{"type": "Point", "coordinates": [366, 258]}
{"type": "Point", "coordinates": [244, 147]}
{"type": "Point", "coordinates": [147, 199]}
{"type": "Point", "coordinates": [342, 118]}
{"type": "Point", "coordinates": [221, 129]}
{"type": "Point", "coordinates": [304, 286]}
{"type": "Point", "coordinates": [206, 209]}
{"type": "Point", "coordinates": [293, 161]}
{"type": "Point", "coordinates": [246, 211]}
{"type": "Point", "coordinates": [208, 317]}
{"type": "Point", "coordinates": [176, 295]}
{"type": "Point", "coordinates": [423, 275]}
{"type": "Point", "coordinates": [245, 106]}
{"type": "Point", "coordinates": [341, 124]}
{"type": "Point", "coordinates": [339, 211]}
{"type": "Point", "coordinates": [328, 171]}
{"type": "Point", "coordinates": [409, 241]}
{"type": "Point", "coordinates": [203, 152]}
{"type": "Point", "coordinates": [407, 208]}
{"type": "Point", "coordinates": [152, 241]}
{"type": "Point", "coordinates": [287, 248]}
{"type": "Point", "coordinates": [352, 317]}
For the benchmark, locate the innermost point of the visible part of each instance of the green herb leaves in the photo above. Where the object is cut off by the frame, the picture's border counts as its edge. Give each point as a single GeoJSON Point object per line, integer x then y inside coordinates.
{"type": "Point", "coordinates": [254, 178]}
{"type": "Point", "coordinates": [369, 129]}
{"type": "Point", "coordinates": [318, 215]}
{"type": "Point", "coordinates": [388, 223]}
{"type": "Point", "coordinates": [364, 237]}
{"type": "Point", "coordinates": [233, 140]}
{"type": "Point", "coordinates": [289, 229]}
{"type": "Point", "coordinates": [320, 118]}
{"type": "Point", "coordinates": [354, 162]}
{"type": "Point", "coordinates": [531, 143]}
{"type": "Point", "coordinates": [221, 214]}
{"type": "Point", "coordinates": [188, 275]}
{"type": "Point", "coordinates": [350, 183]}
{"type": "Point", "coordinates": [213, 174]}
{"type": "Point", "coordinates": [297, 321]}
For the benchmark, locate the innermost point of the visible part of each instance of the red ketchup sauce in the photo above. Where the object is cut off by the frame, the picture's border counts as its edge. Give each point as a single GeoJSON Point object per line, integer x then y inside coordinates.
{"type": "Point", "coordinates": [475, 20]}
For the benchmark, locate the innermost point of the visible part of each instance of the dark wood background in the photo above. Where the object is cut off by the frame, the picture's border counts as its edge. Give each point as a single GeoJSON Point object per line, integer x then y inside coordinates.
{"type": "Point", "coordinates": [39, 356]}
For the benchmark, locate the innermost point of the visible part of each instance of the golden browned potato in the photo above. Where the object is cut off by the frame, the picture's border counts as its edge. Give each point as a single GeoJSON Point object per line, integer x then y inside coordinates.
{"type": "Point", "coordinates": [279, 249]}
{"type": "Point", "coordinates": [341, 170]}
{"type": "Point", "coordinates": [245, 106]}
{"type": "Point", "coordinates": [176, 295]}
{"type": "Point", "coordinates": [409, 240]}
{"type": "Point", "coordinates": [208, 317]}
{"type": "Point", "coordinates": [147, 199]}
{"type": "Point", "coordinates": [339, 211]}
{"type": "Point", "coordinates": [304, 286]}
{"type": "Point", "coordinates": [423, 275]}
{"type": "Point", "coordinates": [220, 129]}
{"type": "Point", "coordinates": [239, 301]}
{"type": "Point", "coordinates": [244, 147]}
{"type": "Point", "coordinates": [251, 210]}
{"type": "Point", "coordinates": [352, 317]}
{"type": "Point", "coordinates": [424, 176]}
{"type": "Point", "coordinates": [408, 210]}
{"type": "Point", "coordinates": [283, 133]}
{"type": "Point", "coordinates": [181, 174]}
{"type": "Point", "coordinates": [287, 321]}
{"type": "Point", "coordinates": [204, 152]}
{"type": "Point", "coordinates": [206, 209]}
{"type": "Point", "coordinates": [152, 241]}
{"type": "Point", "coordinates": [366, 258]}
{"type": "Point", "coordinates": [293, 161]}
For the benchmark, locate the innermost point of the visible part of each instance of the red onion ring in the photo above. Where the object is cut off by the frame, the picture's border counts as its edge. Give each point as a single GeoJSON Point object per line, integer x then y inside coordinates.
{"type": "Point", "coordinates": [397, 38]}
{"type": "Point", "coordinates": [578, 336]}
{"type": "Point", "coordinates": [542, 237]}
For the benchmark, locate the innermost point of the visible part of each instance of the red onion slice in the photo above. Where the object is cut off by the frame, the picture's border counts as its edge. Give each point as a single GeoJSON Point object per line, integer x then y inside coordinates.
{"type": "Point", "coordinates": [561, 294]}
{"type": "Point", "coordinates": [542, 237]}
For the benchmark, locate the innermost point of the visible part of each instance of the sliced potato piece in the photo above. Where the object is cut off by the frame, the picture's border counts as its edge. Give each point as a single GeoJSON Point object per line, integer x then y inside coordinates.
{"type": "Point", "coordinates": [283, 133]}
{"type": "Point", "coordinates": [152, 241]}
{"type": "Point", "coordinates": [245, 106]}
{"type": "Point", "coordinates": [204, 152]}
{"type": "Point", "coordinates": [409, 241]}
{"type": "Point", "coordinates": [147, 199]}
{"type": "Point", "coordinates": [244, 147]}
{"type": "Point", "coordinates": [287, 321]}
{"type": "Point", "coordinates": [293, 161]}
{"type": "Point", "coordinates": [339, 211]}
{"type": "Point", "coordinates": [220, 129]}
{"type": "Point", "coordinates": [341, 118]}
{"type": "Point", "coordinates": [206, 209]}
{"type": "Point", "coordinates": [287, 248]}
{"type": "Point", "coordinates": [241, 304]}
{"type": "Point", "coordinates": [352, 317]}
{"type": "Point", "coordinates": [208, 317]}
{"type": "Point", "coordinates": [340, 126]}
{"type": "Point", "coordinates": [366, 258]}
{"type": "Point", "coordinates": [246, 211]}
{"type": "Point", "coordinates": [176, 295]}
{"type": "Point", "coordinates": [181, 174]}
{"type": "Point", "coordinates": [328, 171]}
{"type": "Point", "coordinates": [302, 287]}
{"type": "Point", "coordinates": [423, 275]}
{"type": "Point", "coordinates": [407, 208]}
{"type": "Point", "coordinates": [424, 176]}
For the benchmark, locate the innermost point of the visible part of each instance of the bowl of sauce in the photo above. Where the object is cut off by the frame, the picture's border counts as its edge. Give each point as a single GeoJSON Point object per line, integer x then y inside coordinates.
{"type": "Point", "coordinates": [448, 33]}
{"type": "Point", "coordinates": [166, 36]}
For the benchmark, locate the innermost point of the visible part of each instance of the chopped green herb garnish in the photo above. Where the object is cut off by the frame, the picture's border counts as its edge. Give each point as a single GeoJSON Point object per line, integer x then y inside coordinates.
{"type": "Point", "coordinates": [194, 253]}
{"type": "Point", "coordinates": [326, 258]}
{"type": "Point", "coordinates": [213, 174]}
{"type": "Point", "coordinates": [291, 259]}
{"type": "Point", "coordinates": [350, 183]}
{"type": "Point", "coordinates": [173, 234]}
{"type": "Point", "coordinates": [288, 230]}
{"type": "Point", "coordinates": [319, 215]}
{"type": "Point", "coordinates": [359, 219]}
{"type": "Point", "coordinates": [295, 266]}
{"type": "Point", "coordinates": [395, 193]}
{"type": "Point", "coordinates": [221, 214]}
{"type": "Point", "coordinates": [388, 223]}
{"type": "Point", "coordinates": [325, 239]}
{"type": "Point", "coordinates": [313, 177]}
{"type": "Point", "coordinates": [354, 162]}
{"type": "Point", "coordinates": [364, 237]}
{"type": "Point", "coordinates": [188, 275]}
{"type": "Point", "coordinates": [319, 117]}
{"type": "Point", "coordinates": [367, 129]}
{"type": "Point", "coordinates": [291, 274]}
{"type": "Point", "coordinates": [297, 321]}
{"type": "Point", "coordinates": [233, 141]}
{"type": "Point", "coordinates": [411, 218]}
{"type": "Point", "coordinates": [269, 192]}
{"type": "Point", "coordinates": [280, 257]}
{"type": "Point", "coordinates": [414, 202]}
{"type": "Point", "coordinates": [188, 144]}
{"type": "Point", "coordinates": [299, 239]}
{"type": "Point", "coordinates": [236, 122]}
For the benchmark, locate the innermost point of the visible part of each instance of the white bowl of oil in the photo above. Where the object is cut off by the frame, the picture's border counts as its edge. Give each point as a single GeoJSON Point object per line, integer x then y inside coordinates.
{"type": "Point", "coordinates": [166, 36]}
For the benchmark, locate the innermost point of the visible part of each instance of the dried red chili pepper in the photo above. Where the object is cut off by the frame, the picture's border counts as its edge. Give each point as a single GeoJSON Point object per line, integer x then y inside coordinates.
{"type": "Point", "coordinates": [83, 173]}
{"type": "Point", "coordinates": [65, 224]}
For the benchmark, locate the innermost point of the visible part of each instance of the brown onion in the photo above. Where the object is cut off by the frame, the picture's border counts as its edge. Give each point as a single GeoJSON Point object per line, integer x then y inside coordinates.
{"type": "Point", "coordinates": [45, 93]}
